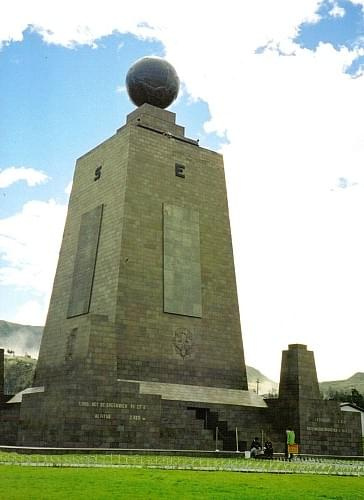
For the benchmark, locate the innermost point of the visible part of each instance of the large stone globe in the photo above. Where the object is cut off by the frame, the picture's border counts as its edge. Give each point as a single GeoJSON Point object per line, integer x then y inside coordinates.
{"type": "Point", "coordinates": [152, 80]}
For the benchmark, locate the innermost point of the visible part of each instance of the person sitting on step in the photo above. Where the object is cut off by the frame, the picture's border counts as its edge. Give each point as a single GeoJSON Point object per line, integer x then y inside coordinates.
{"type": "Point", "coordinates": [255, 448]}
{"type": "Point", "coordinates": [268, 449]}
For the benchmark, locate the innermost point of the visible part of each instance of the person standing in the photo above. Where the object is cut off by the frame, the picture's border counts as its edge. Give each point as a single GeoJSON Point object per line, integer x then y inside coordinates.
{"type": "Point", "coordinates": [290, 439]}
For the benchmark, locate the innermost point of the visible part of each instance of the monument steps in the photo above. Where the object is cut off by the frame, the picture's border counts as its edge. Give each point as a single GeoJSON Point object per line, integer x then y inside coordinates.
{"type": "Point", "coordinates": [215, 425]}
{"type": "Point", "coordinates": [180, 429]}
{"type": "Point", "coordinates": [196, 427]}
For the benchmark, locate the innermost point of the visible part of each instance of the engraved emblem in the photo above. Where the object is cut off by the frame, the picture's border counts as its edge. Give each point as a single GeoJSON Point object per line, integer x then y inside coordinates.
{"type": "Point", "coordinates": [183, 342]}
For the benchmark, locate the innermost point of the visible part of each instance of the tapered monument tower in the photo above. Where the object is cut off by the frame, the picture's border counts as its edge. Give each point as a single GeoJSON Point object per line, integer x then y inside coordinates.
{"type": "Point", "coordinates": [147, 258]}
{"type": "Point", "coordinates": [144, 304]}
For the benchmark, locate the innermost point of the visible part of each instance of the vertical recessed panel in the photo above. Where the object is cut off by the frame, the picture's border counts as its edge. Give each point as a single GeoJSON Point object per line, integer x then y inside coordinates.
{"type": "Point", "coordinates": [182, 267]}
{"type": "Point", "coordinates": [84, 268]}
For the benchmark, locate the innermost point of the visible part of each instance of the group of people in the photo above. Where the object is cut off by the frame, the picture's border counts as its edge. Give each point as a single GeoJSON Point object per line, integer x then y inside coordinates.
{"type": "Point", "coordinates": [256, 449]}
{"type": "Point", "coordinates": [266, 451]}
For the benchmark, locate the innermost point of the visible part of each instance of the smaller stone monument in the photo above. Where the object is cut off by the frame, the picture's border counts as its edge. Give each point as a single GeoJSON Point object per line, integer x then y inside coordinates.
{"type": "Point", "coordinates": [320, 426]}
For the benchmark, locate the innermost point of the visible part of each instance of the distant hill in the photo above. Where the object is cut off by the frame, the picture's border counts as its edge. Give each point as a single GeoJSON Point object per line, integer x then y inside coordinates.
{"type": "Point", "coordinates": [23, 339]}
{"type": "Point", "coordinates": [19, 371]}
{"type": "Point", "coordinates": [354, 382]}
{"type": "Point", "coordinates": [267, 386]}
{"type": "Point", "coordinates": [256, 380]}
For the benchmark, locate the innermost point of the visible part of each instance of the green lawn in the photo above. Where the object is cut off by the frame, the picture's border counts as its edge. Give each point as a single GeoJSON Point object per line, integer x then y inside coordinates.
{"type": "Point", "coordinates": [27, 483]}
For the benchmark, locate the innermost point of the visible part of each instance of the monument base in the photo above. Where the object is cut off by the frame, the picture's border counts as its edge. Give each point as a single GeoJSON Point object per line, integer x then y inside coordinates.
{"type": "Point", "coordinates": [130, 414]}
{"type": "Point", "coordinates": [133, 414]}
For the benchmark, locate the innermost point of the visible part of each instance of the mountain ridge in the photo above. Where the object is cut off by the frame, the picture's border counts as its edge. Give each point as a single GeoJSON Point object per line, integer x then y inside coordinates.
{"type": "Point", "coordinates": [24, 339]}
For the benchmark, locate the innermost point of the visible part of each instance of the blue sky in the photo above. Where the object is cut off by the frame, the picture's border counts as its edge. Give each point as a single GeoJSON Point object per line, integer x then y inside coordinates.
{"type": "Point", "coordinates": [337, 30]}
{"type": "Point", "coordinates": [280, 95]}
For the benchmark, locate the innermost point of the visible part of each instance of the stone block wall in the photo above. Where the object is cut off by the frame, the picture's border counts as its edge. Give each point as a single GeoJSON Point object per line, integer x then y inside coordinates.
{"type": "Point", "coordinates": [117, 417]}
{"type": "Point", "coordinates": [9, 424]}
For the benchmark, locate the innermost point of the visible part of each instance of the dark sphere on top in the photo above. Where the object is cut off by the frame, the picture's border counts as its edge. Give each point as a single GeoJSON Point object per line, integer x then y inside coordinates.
{"type": "Point", "coordinates": [152, 80]}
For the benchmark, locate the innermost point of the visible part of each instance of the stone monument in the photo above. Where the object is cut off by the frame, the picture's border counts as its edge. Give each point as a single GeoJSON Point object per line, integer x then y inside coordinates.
{"type": "Point", "coordinates": [320, 426]}
{"type": "Point", "coordinates": [144, 306]}
{"type": "Point", "coordinates": [142, 346]}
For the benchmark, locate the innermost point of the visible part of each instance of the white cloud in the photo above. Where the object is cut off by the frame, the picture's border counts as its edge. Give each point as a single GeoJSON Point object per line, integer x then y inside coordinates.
{"type": "Point", "coordinates": [147, 19]}
{"type": "Point", "coordinates": [294, 125]}
{"type": "Point", "coordinates": [31, 312]}
{"type": "Point", "coordinates": [121, 89]}
{"type": "Point", "coordinates": [344, 183]}
{"type": "Point", "coordinates": [68, 188]}
{"type": "Point", "coordinates": [32, 177]}
{"type": "Point", "coordinates": [29, 245]}
{"type": "Point", "coordinates": [336, 10]}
